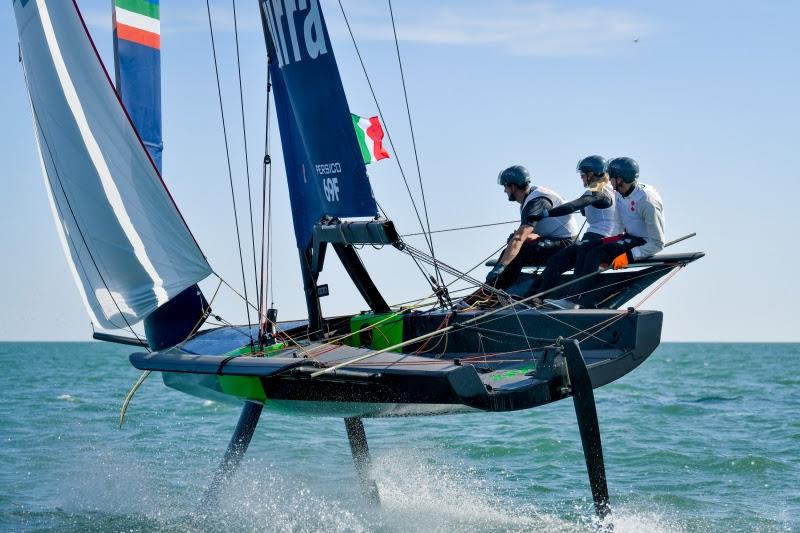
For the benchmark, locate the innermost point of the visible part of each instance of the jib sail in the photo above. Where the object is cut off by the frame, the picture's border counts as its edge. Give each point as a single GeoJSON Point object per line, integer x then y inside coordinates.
{"type": "Point", "coordinates": [125, 239]}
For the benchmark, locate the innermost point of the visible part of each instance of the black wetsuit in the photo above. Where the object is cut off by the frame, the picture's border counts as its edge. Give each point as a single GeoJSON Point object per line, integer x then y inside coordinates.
{"type": "Point", "coordinates": [532, 253]}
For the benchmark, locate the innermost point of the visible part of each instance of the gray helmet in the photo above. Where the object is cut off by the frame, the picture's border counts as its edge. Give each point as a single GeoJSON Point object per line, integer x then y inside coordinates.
{"type": "Point", "coordinates": [596, 164]}
{"type": "Point", "coordinates": [625, 168]}
{"type": "Point", "coordinates": [516, 175]}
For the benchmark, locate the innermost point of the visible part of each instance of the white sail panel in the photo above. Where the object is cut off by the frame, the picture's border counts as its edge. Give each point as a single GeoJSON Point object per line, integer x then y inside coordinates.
{"type": "Point", "coordinates": [127, 241]}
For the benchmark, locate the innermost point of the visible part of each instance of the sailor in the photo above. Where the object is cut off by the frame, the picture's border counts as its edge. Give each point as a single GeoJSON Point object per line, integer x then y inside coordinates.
{"type": "Point", "coordinates": [641, 215]}
{"type": "Point", "coordinates": [537, 237]}
{"type": "Point", "coordinates": [597, 205]}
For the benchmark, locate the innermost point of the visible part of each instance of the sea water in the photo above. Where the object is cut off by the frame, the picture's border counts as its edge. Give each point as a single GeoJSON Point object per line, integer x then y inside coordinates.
{"type": "Point", "coordinates": [701, 437]}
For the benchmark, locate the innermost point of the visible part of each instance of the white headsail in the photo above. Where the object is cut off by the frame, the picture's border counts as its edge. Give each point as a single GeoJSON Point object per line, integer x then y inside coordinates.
{"type": "Point", "coordinates": [124, 237]}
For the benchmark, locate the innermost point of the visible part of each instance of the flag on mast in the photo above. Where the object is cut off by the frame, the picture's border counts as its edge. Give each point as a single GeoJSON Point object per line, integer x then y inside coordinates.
{"type": "Point", "coordinates": [370, 138]}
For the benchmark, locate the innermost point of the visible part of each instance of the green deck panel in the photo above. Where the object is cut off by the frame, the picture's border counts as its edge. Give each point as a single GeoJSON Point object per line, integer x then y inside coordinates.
{"type": "Point", "coordinates": [247, 348]}
{"type": "Point", "coordinates": [247, 386]}
{"type": "Point", "coordinates": [243, 386]}
{"type": "Point", "coordinates": [385, 334]}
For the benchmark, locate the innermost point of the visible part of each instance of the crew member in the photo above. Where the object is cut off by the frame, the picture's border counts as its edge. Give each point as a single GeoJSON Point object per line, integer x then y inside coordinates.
{"type": "Point", "coordinates": [537, 237]}
{"type": "Point", "coordinates": [641, 214]}
{"type": "Point", "coordinates": [597, 205]}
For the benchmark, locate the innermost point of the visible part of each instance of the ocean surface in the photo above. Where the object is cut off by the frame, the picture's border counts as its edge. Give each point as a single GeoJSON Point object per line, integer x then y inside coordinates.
{"type": "Point", "coordinates": [701, 437]}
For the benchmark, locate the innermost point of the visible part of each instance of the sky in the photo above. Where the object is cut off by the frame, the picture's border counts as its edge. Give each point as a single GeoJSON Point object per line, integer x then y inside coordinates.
{"type": "Point", "coordinates": [702, 94]}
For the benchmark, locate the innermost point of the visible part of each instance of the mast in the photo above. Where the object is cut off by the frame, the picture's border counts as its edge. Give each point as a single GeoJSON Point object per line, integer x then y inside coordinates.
{"type": "Point", "coordinates": [137, 68]}
{"type": "Point", "coordinates": [325, 168]}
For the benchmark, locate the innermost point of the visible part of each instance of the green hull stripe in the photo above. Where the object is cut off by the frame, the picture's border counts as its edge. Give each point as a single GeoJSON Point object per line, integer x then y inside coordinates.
{"type": "Point", "coordinates": [248, 387]}
{"type": "Point", "coordinates": [143, 7]}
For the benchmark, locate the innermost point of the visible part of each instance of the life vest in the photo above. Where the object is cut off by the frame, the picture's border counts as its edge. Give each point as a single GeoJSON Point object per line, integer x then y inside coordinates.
{"type": "Point", "coordinates": [606, 221]}
{"type": "Point", "coordinates": [636, 220]}
{"type": "Point", "coordinates": [557, 227]}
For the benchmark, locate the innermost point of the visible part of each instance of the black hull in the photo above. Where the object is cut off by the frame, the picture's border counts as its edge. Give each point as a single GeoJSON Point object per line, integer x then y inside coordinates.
{"type": "Point", "coordinates": [466, 376]}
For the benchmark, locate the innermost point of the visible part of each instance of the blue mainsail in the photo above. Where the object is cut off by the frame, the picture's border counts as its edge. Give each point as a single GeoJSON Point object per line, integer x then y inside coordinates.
{"type": "Point", "coordinates": [324, 166]}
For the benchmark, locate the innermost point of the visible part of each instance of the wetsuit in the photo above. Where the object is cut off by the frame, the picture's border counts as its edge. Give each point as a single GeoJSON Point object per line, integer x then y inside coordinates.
{"type": "Point", "coordinates": [603, 221]}
{"type": "Point", "coordinates": [641, 214]}
{"type": "Point", "coordinates": [555, 233]}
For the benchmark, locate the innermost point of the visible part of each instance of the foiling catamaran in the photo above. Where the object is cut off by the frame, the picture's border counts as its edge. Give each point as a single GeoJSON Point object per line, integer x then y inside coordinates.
{"type": "Point", "coordinates": [135, 260]}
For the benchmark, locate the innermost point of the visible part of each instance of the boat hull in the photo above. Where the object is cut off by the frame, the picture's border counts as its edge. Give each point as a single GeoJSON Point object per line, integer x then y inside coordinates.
{"type": "Point", "coordinates": [506, 372]}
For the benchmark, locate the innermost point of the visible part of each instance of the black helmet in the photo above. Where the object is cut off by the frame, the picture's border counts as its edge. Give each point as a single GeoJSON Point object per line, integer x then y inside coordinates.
{"type": "Point", "coordinates": [596, 164]}
{"type": "Point", "coordinates": [516, 175]}
{"type": "Point", "coordinates": [625, 168]}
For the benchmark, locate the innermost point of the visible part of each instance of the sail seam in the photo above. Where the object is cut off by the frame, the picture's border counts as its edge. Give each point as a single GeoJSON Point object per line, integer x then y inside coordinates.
{"type": "Point", "coordinates": [96, 155]}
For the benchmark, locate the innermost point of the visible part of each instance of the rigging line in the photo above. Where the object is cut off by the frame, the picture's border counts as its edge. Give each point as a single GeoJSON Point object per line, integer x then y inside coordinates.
{"type": "Point", "coordinates": [515, 221]}
{"type": "Point", "coordinates": [401, 304]}
{"type": "Point", "coordinates": [474, 319]}
{"type": "Point", "coordinates": [246, 151]}
{"type": "Point", "coordinates": [414, 145]}
{"type": "Point", "coordinates": [237, 293]}
{"type": "Point", "coordinates": [228, 158]}
{"type": "Point", "coordinates": [460, 275]}
{"type": "Point", "coordinates": [595, 328]}
{"type": "Point", "coordinates": [72, 212]}
{"type": "Point", "coordinates": [385, 125]}
{"type": "Point", "coordinates": [658, 287]}
{"type": "Point", "coordinates": [266, 203]}
{"type": "Point", "coordinates": [420, 267]}
{"type": "Point", "coordinates": [204, 315]}
{"type": "Point", "coordinates": [206, 311]}
{"type": "Point", "coordinates": [644, 273]}
{"type": "Point", "coordinates": [422, 270]}
{"type": "Point", "coordinates": [414, 252]}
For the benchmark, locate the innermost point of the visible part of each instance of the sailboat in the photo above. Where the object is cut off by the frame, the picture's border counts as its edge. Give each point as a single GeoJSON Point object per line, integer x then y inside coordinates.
{"type": "Point", "coordinates": [135, 259]}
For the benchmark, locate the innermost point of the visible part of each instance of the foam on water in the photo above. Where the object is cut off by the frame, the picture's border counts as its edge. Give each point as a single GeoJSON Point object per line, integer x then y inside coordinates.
{"type": "Point", "coordinates": [725, 460]}
{"type": "Point", "coordinates": [418, 491]}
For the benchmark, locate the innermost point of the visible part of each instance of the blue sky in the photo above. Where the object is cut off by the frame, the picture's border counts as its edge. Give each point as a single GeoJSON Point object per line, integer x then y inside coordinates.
{"type": "Point", "coordinates": [703, 95]}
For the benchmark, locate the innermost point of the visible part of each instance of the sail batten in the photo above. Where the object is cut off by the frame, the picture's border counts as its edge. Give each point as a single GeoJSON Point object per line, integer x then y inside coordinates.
{"type": "Point", "coordinates": [126, 242]}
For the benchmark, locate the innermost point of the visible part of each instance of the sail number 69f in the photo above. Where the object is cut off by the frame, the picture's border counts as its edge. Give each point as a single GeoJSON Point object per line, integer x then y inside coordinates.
{"type": "Point", "coordinates": [331, 186]}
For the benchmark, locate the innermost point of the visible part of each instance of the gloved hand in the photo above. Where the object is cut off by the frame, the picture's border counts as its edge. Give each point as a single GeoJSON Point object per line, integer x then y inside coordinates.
{"type": "Point", "coordinates": [621, 261]}
{"type": "Point", "coordinates": [494, 274]}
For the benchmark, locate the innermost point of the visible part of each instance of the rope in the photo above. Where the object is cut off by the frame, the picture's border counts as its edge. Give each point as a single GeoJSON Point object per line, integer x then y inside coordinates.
{"type": "Point", "coordinates": [414, 146]}
{"type": "Point", "coordinates": [515, 221]}
{"type": "Point", "coordinates": [228, 158]}
{"type": "Point", "coordinates": [385, 127]}
{"type": "Point", "coordinates": [266, 221]}
{"type": "Point", "coordinates": [246, 151]}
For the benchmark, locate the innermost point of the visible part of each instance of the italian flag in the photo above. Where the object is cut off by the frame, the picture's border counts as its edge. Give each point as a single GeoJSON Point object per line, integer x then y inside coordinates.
{"type": "Point", "coordinates": [138, 21]}
{"type": "Point", "coordinates": [370, 138]}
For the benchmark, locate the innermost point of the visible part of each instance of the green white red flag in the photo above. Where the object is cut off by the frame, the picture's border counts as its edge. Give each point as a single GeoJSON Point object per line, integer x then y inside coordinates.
{"type": "Point", "coordinates": [370, 138]}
